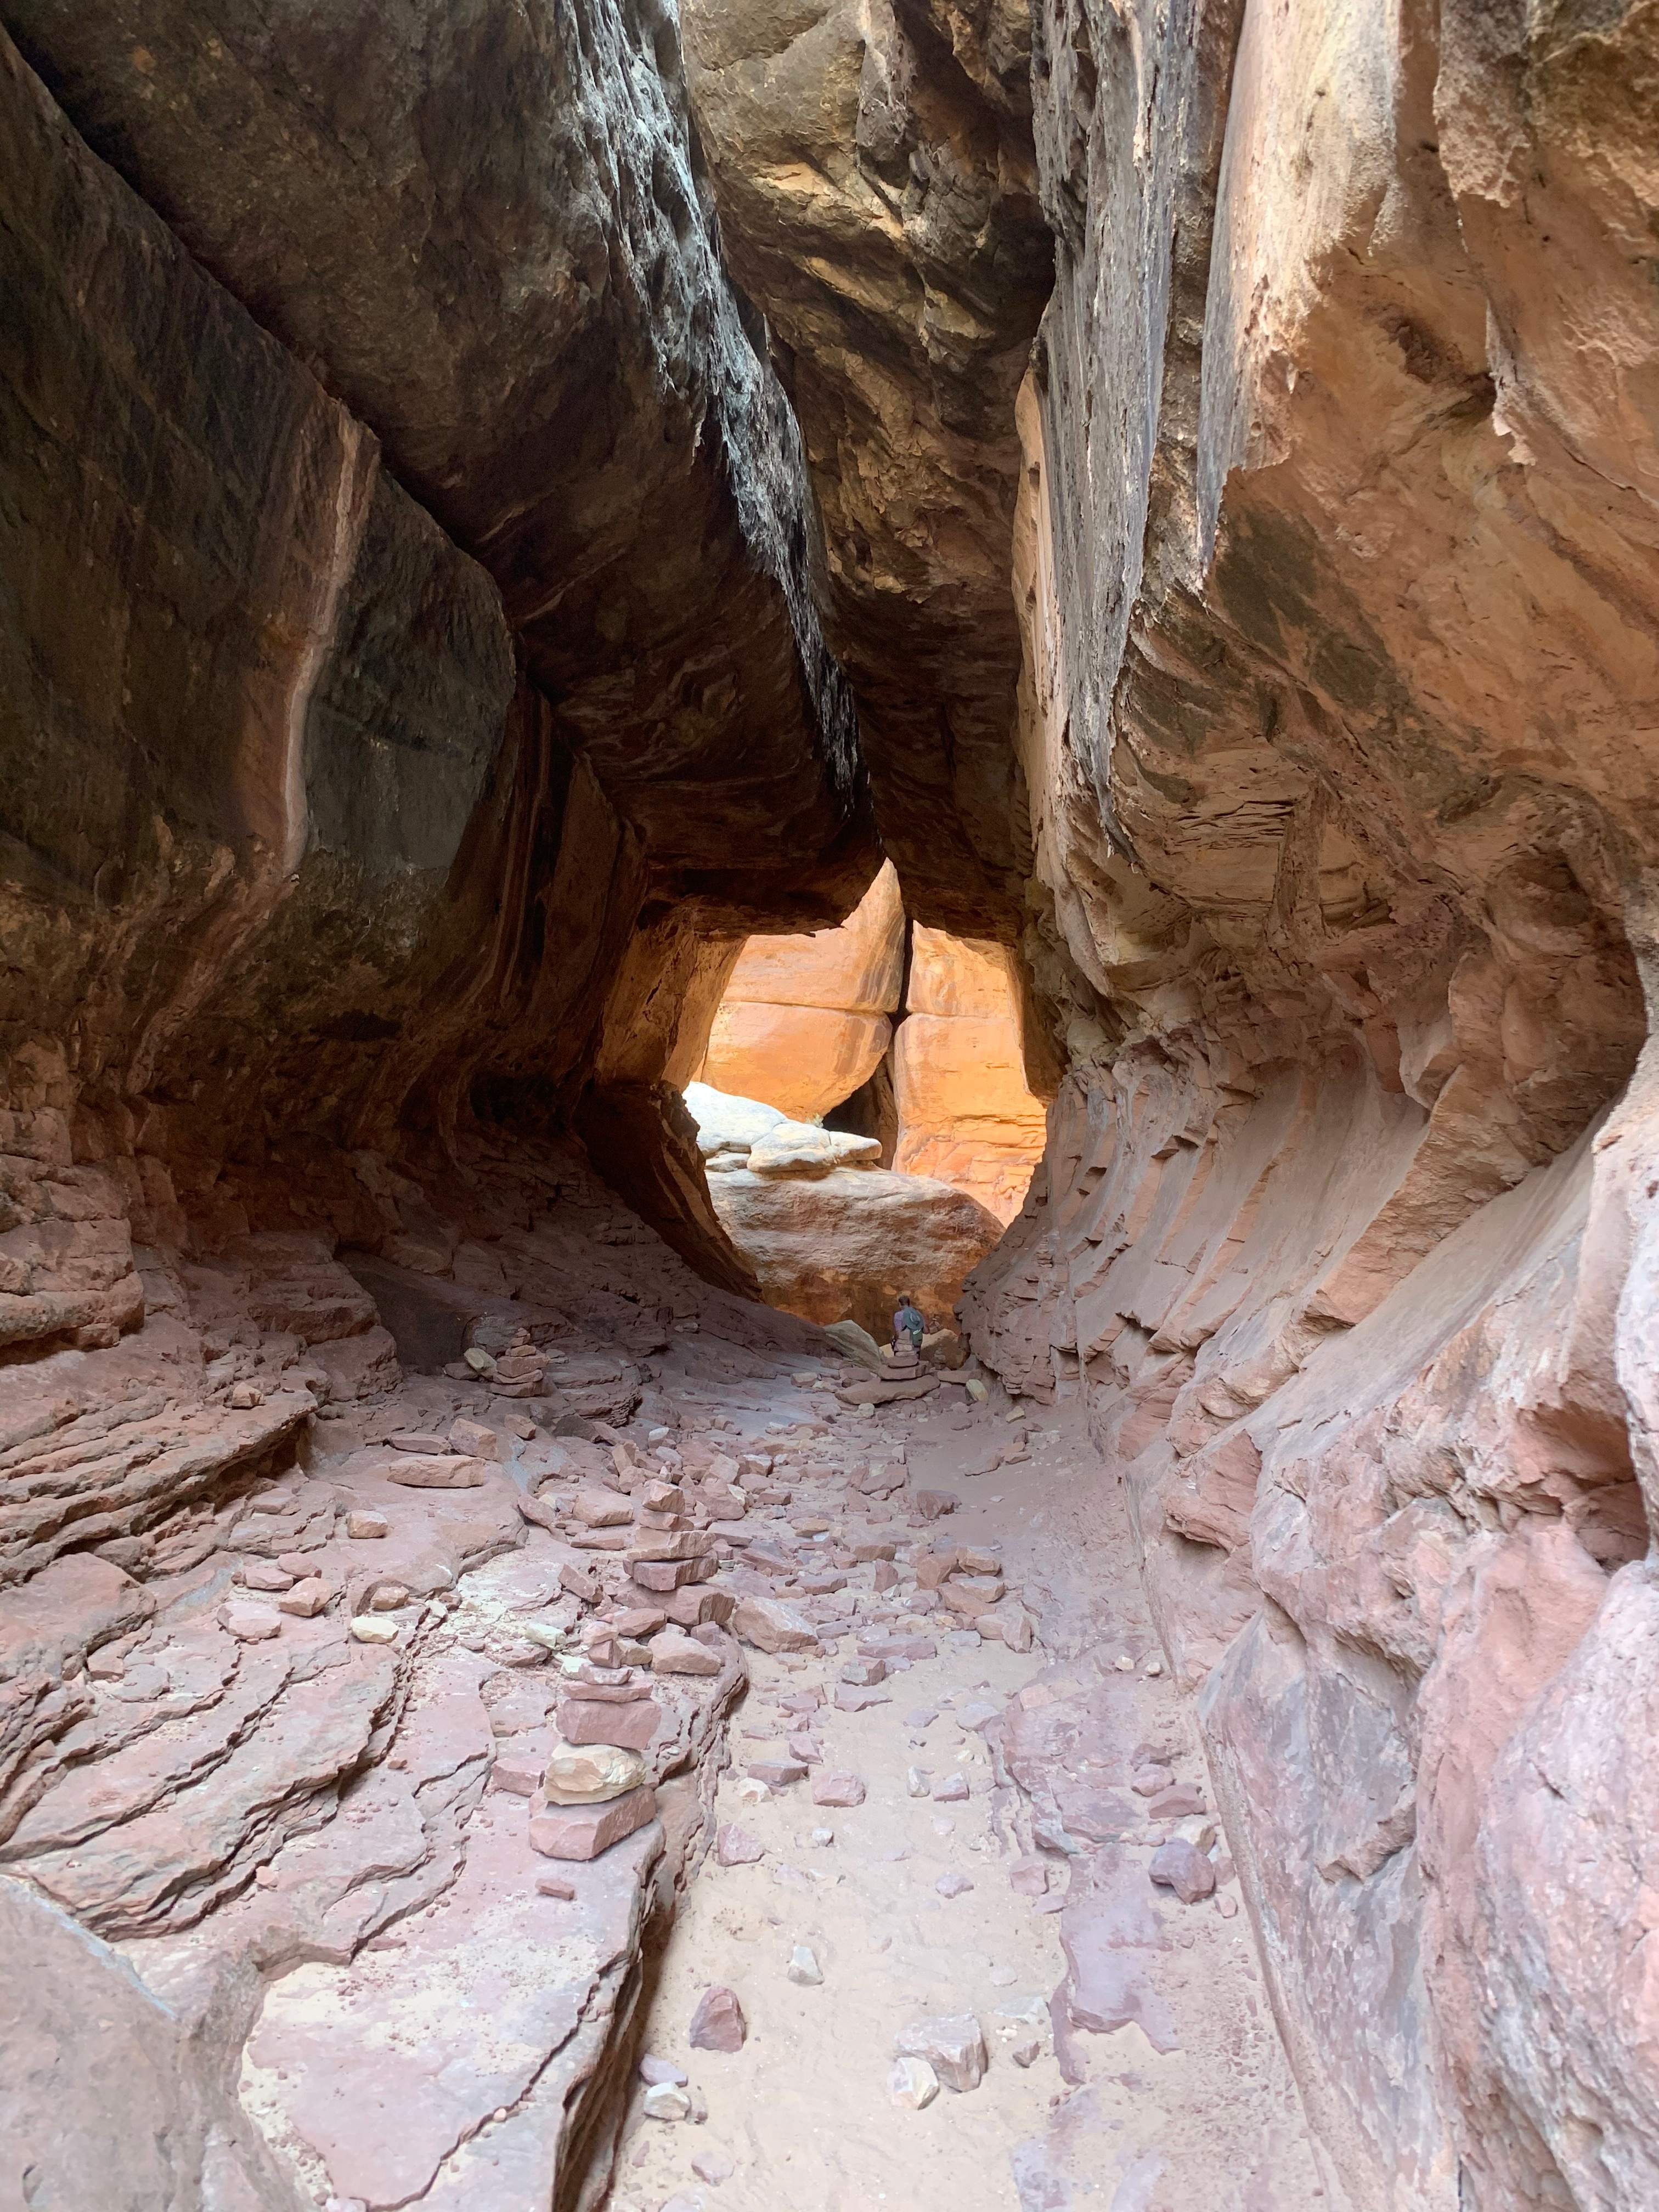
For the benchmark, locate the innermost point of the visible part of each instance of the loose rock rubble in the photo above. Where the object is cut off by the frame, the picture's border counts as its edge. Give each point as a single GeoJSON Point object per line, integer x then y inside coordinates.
{"type": "Point", "coordinates": [973, 1989]}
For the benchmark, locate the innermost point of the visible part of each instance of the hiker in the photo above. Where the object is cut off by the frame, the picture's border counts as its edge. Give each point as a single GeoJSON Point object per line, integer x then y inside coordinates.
{"type": "Point", "coordinates": [908, 1322]}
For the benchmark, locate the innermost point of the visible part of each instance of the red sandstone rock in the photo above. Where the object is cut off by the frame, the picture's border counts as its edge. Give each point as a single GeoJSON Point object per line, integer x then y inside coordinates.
{"type": "Point", "coordinates": [718, 2023]}
{"type": "Point", "coordinates": [1181, 1867]}
{"type": "Point", "coordinates": [842, 1789]}
{"type": "Point", "coordinates": [583, 1832]}
{"type": "Point", "coordinates": [422, 1471]}
{"type": "Point", "coordinates": [735, 1846]}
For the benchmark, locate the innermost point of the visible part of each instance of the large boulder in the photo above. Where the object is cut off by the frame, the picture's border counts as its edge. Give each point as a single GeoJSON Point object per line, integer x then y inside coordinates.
{"type": "Point", "coordinates": [853, 1241]}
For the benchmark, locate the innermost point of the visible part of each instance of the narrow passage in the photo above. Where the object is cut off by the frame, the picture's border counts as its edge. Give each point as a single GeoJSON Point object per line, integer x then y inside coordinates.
{"type": "Point", "coordinates": [930, 1843]}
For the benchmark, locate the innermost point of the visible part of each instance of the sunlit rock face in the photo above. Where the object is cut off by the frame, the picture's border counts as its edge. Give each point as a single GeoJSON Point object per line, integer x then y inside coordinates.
{"type": "Point", "coordinates": [1335, 561]}
{"type": "Point", "coordinates": [804, 1020]}
{"type": "Point", "coordinates": [965, 1115]}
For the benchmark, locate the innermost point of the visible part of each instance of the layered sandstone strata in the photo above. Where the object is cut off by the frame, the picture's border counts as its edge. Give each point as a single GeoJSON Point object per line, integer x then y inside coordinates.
{"type": "Point", "coordinates": [1336, 571]}
{"type": "Point", "coordinates": [804, 1021]}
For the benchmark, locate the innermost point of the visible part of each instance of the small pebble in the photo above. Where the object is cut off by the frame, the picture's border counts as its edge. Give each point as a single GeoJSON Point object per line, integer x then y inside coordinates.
{"type": "Point", "coordinates": [666, 2101]}
{"type": "Point", "coordinates": [654, 2071]}
{"type": "Point", "coordinates": [912, 2083]}
{"type": "Point", "coordinates": [804, 1967]}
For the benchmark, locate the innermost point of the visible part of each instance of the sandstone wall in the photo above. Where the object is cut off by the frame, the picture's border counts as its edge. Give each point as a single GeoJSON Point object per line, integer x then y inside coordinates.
{"type": "Point", "coordinates": [965, 1114]}
{"type": "Point", "coordinates": [1334, 560]}
{"type": "Point", "coordinates": [804, 1019]}
{"type": "Point", "coordinates": [1335, 567]}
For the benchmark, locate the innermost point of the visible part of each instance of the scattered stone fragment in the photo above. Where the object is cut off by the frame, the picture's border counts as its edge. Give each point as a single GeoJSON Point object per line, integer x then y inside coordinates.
{"type": "Point", "coordinates": [373, 1628]}
{"type": "Point", "coordinates": [978, 1711]}
{"type": "Point", "coordinates": [387, 1598]}
{"type": "Point", "coordinates": [864, 1673]}
{"type": "Point", "coordinates": [673, 1653]}
{"type": "Point", "coordinates": [823, 1838]}
{"type": "Point", "coordinates": [1226, 1906]}
{"type": "Point", "coordinates": [916, 1781]}
{"type": "Point", "coordinates": [1026, 2053]}
{"type": "Point", "coordinates": [364, 1523]}
{"type": "Point", "coordinates": [886, 1576]}
{"type": "Point", "coordinates": [306, 1599]}
{"type": "Point", "coordinates": [1147, 1781]}
{"type": "Point", "coordinates": [777, 1773]}
{"type": "Point", "coordinates": [1154, 1667]}
{"type": "Point", "coordinates": [804, 1967]}
{"type": "Point", "coordinates": [952, 2044]}
{"type": "Point", "coordinates": [770, 1624]}
{"type": "Point", "coordinates": [850, 1700]}
{"type": "Point", "coordinates": [912, 2083]}
{"type": "Point", "coordinates": [953, 1791]}
{"type": "Point", "coordinates": [934, 1505]}
{"type": "Point", "coordinates": [266, 1575]}
{"type": "Point", "coordinates": [1028, 1877]}
{"type": "Point", "coordinates": [735, 1846]}
{"type": "Point", "coordinates": [251, 1624]}
{"type": "Point", "coordinates": [953, 1885]}
{"type": "Point", "coordinates": [718, 2023]}
{"type": "Point", "coordinates": [837, 1789]}
{"type": "Point", "coordinates": [556, 1885]}
{"type": "Point", "coordinates": [417, 1440]}
{"type": "Point", "coordinates": [666, 2101]}
{"type": "Point", "coordinates": [1124, 1663]}
{"type": "Point", "coordinates": [1182, 1803]}
{"type": "Point", "coordinates": [713, 2166]}
{"type": "Point", "coordinates": [1180, 1866]}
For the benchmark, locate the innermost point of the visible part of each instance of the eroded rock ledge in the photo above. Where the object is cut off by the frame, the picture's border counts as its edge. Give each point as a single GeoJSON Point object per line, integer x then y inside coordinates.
{"type": "Point", "coordinates": [1336, 575]}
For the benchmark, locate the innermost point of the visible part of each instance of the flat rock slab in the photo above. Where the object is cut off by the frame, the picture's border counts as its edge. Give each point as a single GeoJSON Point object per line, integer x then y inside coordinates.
{"type": "Point", "coordinates": [434, 1471]}
{"type": "Point", "coordinates": [385, 2069]}
{"type": "Point", "coordinates": [580, 1832]}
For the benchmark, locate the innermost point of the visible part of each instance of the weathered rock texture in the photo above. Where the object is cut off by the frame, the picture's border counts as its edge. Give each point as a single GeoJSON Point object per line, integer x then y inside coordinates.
{"type": "Point", "coordinates": [803, 1020]}
{"type": "Point", "coordinates": [830, 1234]}
{"type": "Point", "coordinates": [393, 743]}
{"type": "Point", "coordinates": [487, 235]}
{"type": "Point", "coordinates": [1338, 713]}
{"type": "Point", "coordinates": [879, 199]}
{"type": "Point", "coordinates": [965, 1117]}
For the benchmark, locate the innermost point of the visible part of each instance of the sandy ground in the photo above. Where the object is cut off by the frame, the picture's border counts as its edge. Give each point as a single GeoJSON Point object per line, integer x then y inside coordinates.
{"type": "Point", "coordinates": [802, 2118]}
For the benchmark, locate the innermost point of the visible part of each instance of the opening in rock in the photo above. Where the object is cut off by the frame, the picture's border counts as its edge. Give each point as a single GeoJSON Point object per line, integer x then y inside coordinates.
{"type": "Point", "coordinates": [864, 1114]}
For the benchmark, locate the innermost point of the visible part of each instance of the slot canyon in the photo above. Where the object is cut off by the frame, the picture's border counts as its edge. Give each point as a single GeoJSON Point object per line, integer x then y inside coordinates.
{"type": "Point", "coordinates": [828, 1158]}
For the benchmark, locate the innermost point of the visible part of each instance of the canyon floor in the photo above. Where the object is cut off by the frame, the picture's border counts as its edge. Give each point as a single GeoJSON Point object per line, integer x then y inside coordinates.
{"type": "Point", "coordinates": [274, 1817]}
{"type": "Point", "coordinates": [905, 1901]}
